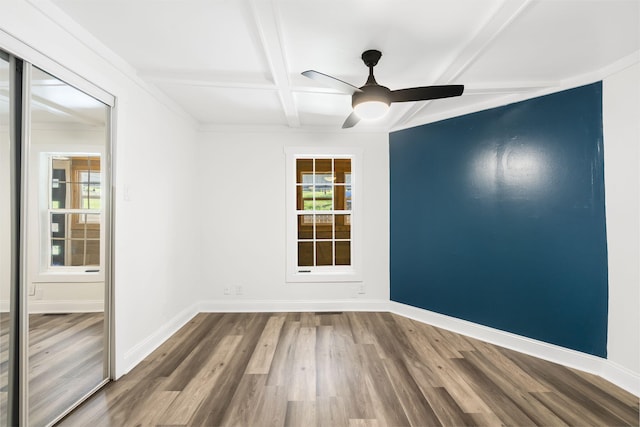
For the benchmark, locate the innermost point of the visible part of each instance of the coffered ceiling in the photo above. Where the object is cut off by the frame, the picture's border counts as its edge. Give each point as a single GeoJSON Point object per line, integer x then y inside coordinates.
{"type": "Point", "coordinates": [238, 62]}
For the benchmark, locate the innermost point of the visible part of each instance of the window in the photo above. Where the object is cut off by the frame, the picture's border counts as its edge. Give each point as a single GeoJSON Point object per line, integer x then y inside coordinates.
{"type": "Point", "coordinates": [322, 234]}
{"type": "Point", "coordinates": [75, 201]}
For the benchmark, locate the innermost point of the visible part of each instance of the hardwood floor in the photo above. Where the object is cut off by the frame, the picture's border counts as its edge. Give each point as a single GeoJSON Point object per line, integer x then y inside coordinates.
{"type": "Point", "coordinates": [65, 361]}
{"type": "Point", "coordinates": [4, 368]}
{"type": "Point", "coordinates": [346, 369]}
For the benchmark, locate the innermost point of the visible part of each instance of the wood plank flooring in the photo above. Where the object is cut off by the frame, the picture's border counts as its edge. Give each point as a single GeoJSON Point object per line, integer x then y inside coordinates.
{"type": "Point", "coordinates": [65, 362]}
{"type": "Point", "coordinates": [4, 368]}
{"type": "Point", "coordinates": [346, 369]}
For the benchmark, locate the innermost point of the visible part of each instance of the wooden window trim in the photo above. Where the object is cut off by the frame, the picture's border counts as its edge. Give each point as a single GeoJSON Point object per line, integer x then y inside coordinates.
{"type": "Point", "coordinates": [79, 165]}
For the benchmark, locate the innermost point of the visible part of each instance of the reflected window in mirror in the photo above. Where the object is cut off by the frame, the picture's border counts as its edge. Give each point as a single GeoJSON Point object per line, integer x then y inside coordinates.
{"type": "Point", "coordinates": [75, 206]}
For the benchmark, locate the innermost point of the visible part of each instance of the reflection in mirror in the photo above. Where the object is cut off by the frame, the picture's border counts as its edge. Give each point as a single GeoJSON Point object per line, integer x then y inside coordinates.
{"type": "Point", "coordinates": [66, 246]}
{"type": "Point", "coordinates": [5, 240]}
{"type": "Point", "coordinates": [74, 205]}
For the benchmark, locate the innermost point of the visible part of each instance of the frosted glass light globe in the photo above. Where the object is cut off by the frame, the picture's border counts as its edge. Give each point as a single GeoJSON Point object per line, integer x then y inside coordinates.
{"type": "Point", "coordinates": [371, 110]}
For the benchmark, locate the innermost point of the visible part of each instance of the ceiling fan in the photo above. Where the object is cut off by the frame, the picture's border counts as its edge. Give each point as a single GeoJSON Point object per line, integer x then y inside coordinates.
{"type": "Point", "coordinates": [372, 100]}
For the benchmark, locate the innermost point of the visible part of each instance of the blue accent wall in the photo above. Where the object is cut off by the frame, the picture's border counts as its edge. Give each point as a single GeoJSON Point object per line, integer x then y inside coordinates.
{"type": "Point", "coordinates": [498, 218]}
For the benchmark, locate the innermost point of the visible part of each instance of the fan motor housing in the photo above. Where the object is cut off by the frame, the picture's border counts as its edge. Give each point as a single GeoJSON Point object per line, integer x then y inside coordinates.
{"type": "Point", "coordinates": [371, 93]}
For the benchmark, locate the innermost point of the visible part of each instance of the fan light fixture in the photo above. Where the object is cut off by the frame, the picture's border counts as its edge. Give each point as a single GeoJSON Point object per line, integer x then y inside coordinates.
{"type": "Point", "coordinates": [372, 101]}
{"type": "Point", "coordinates": [371, 110]}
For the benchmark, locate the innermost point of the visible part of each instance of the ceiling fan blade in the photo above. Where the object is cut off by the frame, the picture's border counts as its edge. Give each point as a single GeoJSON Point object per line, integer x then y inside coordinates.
{"type": "Point", "coordinates": [351, 121]}
{"type": "Point", "coordinates": [331, 82]}
{"type": "Point", "coordinates": [426, 92]}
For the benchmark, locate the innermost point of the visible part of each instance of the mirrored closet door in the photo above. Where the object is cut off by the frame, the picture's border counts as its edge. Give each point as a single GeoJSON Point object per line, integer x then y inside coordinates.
{"type": "Point", "coordinates": [66, 249]}
{"type": "Point", "coordinates": [6, 241]}
{"type": "Point", "coordinates": [62, 294]}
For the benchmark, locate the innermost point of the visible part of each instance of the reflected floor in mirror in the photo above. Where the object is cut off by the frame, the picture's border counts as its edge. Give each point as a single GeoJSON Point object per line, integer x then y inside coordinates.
{"type": "Point", "coordinates": [346, 369]}
{"type": "Point", "coordinates": [4, 356]}
{"type": "Point", "coordinates": [65, 361]}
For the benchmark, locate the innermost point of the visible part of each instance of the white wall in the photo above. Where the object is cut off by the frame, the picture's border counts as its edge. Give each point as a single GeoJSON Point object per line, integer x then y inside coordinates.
{"type": "Point", "coordinates": [621, 126]}
{"type": "Point", "coordinates": [156, 277]}
{"type": "Point", "coordinates": [242, 201]}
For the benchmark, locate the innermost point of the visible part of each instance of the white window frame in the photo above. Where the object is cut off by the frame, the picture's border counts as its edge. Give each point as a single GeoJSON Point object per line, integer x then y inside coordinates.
{"type": "Point", "coordinates": [39, 173]}
{"type": "Point", "coordinates": [351, 273]}
{"type": "Point", "coordinates": [69, 210]}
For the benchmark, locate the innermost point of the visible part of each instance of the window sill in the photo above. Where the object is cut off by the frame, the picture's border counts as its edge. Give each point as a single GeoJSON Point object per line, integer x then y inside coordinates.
{"type": "Point", "coordinates": [70, 276]}
{"type": "Point", "coordinates": [323, 277]}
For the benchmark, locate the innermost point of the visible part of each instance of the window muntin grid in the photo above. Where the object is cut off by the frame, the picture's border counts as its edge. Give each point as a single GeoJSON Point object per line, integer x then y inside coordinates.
{"type": "Point", "coordinates": [323, 208]}
{"type": "Point", "coordinates": [75, 207]}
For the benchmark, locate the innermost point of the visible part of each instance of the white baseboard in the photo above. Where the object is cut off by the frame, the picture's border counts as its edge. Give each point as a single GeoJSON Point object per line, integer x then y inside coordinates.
{"type": "Point", "coordinates": [65, 306]}
{"type": "Point", "coordinates": [608, 370]}
{"type": "Point", "coordinates": [260, 306]}
{"type": "Point", "coordinates": [621, 376]}
{"type": "Point", "coordinates": [137, 353]}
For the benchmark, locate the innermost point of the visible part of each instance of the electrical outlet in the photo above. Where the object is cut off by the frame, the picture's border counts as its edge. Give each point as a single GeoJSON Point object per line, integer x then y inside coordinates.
{"type": "Point", "coordinates": [39, 293]}
{"type": "Point", "coordinates": [239, 290]}
{"type": "Point", "coordinates": [32, 290]}
{"type": "Point", "coordinates": [361, 289]}
{"type": "Point", "coordinates": [227, 290]}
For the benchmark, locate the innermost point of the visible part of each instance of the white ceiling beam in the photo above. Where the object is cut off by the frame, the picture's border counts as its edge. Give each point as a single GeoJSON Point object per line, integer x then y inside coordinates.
{"type": "Point", "coordinates": [208, 79]}
{"type": "Point", "coordinates": [269, 32]}
{"type": "Point", "coordinates": [55, 108]}
{"type": "Point", "coordinates": [511, 87]}
{"type": "Point", "coordinates": [58, 109]}
{"type": "Point", "coordinates": [205, 78]}
{"type": "Point", "coordinates": [479, 43]}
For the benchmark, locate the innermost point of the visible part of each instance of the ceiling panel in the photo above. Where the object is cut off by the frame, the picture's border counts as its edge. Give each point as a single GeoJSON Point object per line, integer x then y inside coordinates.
{"type": "Point", "coordinates": [315, 109]}
{"type": "Point", "coordinates": [160, 34]}
{"type": "Point", "coordinates": [557, 40]}
{"type": "Point", "coordinates": [418, 39]}
{"type": "Point", "coordinates": [54, 102]}
{"type": "Point", "coordinates": [228, 106]}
